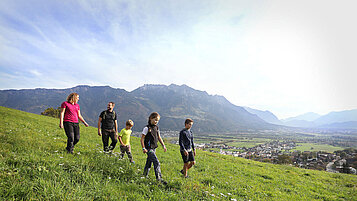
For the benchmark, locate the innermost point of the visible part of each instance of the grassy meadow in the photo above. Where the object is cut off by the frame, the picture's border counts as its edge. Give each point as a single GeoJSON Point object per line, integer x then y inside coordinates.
{"type": "Point", "coordinates": [317, 147]}
{"type": "Point", "coordinates": [34, 166]}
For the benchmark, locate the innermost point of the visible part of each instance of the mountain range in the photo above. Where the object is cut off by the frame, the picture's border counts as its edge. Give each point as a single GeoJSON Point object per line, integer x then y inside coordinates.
{"type": "Point", "coordinates": [310, 116]}
{"type": "Point", "coordinates": [211, 113]}
{"type": "Point", "coordinates": [265, 115]}
{"type": "Point", "coordinates": [174, 103]}
{"type": "Point", "coordinates": [346, 119]}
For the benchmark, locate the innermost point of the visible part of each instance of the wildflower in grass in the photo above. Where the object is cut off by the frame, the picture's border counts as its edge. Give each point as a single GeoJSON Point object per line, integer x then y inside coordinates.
{"type": "Point", "coordinates": [212, 187]}
{"type": "Point", "coordinates": [61, 164]}
{"type": "Point", "coordinates": [223, 195]}
{"type": "Point", "coordinates": [109, 178]}
{"type": "Point", "coordinates": [229, 193]}
{"type": "Point", "coordinates": [233, 199]}
{"type": "Point", "coordinates": [61, 156]}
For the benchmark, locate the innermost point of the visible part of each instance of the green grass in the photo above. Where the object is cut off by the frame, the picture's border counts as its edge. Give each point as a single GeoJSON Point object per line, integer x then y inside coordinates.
{"type": "Point", "coordinates": [317, 147]}
{"type": "Point", "coordinates": [248, 143]}
{"type": "Point", "coordinates": [34, 166]}
{"type": "Point", "coordinates": [231, 140]}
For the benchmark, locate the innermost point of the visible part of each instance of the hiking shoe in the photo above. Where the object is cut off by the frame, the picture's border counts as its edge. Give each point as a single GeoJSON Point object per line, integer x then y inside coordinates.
{"type": "Point", "coordinates": [162, 181]}
{"type": "Point", "coordinates": [181, 171]}
{"type": "Point", "coordinates": [186, 177]}
{"type": "Point", "coordinates": [146, 172]}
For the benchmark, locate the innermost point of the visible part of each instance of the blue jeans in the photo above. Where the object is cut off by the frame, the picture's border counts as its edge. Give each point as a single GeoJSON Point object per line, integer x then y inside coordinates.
{"type": "Point", "coordinates": [152, 158]}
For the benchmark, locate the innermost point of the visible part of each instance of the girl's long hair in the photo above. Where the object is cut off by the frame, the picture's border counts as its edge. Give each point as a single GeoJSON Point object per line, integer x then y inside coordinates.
{"type": "Point", "coordinates": [72, 98]}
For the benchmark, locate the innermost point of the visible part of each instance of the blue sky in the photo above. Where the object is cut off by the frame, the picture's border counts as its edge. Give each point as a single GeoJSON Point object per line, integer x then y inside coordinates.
{"type": "Point", "coordinates": [283, 56]}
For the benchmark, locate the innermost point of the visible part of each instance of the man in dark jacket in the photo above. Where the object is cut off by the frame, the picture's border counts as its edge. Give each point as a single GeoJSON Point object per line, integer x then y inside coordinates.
{"type": "Point", "coordinates": [187, 147]}
{"type": "Point", "coordinates": [108, 127]}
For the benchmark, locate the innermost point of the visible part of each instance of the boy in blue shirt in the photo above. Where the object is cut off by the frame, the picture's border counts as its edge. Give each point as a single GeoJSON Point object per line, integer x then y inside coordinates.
{"type": "Point", "coordinates": [187, 147]}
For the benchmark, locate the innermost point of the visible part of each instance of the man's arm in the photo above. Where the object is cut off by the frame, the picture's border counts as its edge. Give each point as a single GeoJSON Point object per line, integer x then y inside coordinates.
{"type": "Point", "coordinates": [116, 127]}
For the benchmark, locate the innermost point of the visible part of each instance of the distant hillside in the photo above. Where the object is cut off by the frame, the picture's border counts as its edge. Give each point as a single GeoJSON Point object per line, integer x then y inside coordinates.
{"type": "Point", "coordinates": [341, 125]}
{"type": "Point", "coordinates": [300, 123]}
{"type": "Point", "coordinates": [310, 116]}
{"type": "Point", "coordinates": [174, 103]}
{"type": "Point", "coordinates": [342, 119]}
{"type": "Point", "coordinates": [337, 117]}
{"type": "Point", "coordinates": [265, 115]}
{"type": "Point", "coordinates": [34, 166]}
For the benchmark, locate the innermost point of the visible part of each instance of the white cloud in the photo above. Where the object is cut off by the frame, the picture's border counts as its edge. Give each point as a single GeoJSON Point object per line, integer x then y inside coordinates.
{"type": "Point", "coordinates": [36, 73]}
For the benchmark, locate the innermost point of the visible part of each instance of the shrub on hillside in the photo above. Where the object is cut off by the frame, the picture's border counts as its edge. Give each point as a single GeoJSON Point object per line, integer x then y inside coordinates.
{"type": "Point", "coordinates": [51, 112]}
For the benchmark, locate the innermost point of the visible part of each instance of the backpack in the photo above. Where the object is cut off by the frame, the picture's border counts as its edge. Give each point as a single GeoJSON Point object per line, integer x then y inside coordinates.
{"type": "Point", "coordinates": [105, 114]}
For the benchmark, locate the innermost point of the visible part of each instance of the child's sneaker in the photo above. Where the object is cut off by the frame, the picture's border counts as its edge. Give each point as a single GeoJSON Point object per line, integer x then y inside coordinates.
{"type": "Point", "coordinates": [181, 171]}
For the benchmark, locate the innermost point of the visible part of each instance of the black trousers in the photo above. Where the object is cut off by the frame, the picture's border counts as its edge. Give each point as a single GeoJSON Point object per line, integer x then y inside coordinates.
{"type": "Point", "coordinates": [72, 132]}
{"type": "Point", "coordinates": [106, 134]}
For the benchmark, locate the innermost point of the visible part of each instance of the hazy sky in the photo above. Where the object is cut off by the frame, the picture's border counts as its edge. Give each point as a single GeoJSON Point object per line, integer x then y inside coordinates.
{"type": "Point", "coordinates": [289, 57]}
